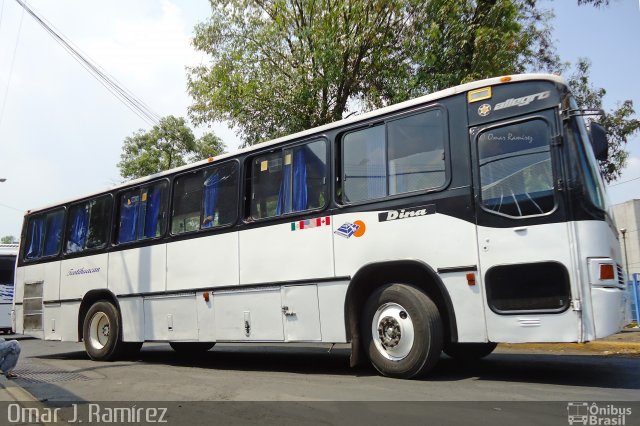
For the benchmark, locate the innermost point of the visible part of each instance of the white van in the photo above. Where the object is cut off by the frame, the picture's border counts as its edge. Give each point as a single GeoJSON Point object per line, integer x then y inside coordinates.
{"type": "Point", "coordinates": [8, 253]}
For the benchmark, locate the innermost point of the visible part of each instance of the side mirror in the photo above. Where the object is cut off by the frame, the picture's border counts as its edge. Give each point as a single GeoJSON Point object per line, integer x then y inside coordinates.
{"type": "Point", "coordinates": [599, 143]}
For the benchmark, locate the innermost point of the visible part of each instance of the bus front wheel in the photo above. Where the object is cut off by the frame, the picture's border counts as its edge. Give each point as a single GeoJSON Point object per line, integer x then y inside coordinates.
{"type": "Point", "coordinates": [402, 331]}
{"type": "Point", "coordinates": [101, 332]}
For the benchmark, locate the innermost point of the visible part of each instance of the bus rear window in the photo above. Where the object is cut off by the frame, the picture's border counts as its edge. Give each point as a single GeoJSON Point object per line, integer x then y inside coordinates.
{"type": "Point", "coordinates": [7, 265]}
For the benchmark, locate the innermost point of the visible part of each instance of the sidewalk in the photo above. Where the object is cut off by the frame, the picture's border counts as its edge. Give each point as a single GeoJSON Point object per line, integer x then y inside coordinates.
{"type": "Point", "coordinates": [625, 343]}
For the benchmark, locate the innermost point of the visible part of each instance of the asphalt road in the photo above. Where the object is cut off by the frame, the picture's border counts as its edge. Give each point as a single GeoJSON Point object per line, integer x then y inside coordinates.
{"type": "Point", "coordinates": [59, 374]}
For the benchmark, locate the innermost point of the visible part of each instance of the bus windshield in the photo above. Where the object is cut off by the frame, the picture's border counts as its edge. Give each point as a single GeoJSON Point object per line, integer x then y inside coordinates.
{"type": "Point", "coordinates": [515, 169]}
{"type": "Point", "coordinates": [592, 179]}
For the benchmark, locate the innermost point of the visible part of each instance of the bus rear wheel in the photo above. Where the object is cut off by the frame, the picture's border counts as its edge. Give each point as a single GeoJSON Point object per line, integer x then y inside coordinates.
{"type": "Point", "coordinates": [402, 331]}
{"type": "Point", "coordinates": [101, 332]}
{"type": "Point", "coordinates": [468, 351]}
{"type": "Point", "coordinates": [191, 347]}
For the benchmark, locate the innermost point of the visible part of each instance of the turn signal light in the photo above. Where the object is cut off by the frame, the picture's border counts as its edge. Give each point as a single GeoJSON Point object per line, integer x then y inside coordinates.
{"type": "Point", "coordinates": [606, 272]}
{"type": "Point", "coordinates": [205, 296]}
{"type": "Point", "coordinates": [471, 278]}
{"type": "Point", "coordinates": [505, 79]}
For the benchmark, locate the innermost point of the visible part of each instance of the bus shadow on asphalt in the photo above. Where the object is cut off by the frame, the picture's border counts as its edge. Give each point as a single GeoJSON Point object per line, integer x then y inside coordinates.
{"type": "Point", "coordinates": [568, 370]}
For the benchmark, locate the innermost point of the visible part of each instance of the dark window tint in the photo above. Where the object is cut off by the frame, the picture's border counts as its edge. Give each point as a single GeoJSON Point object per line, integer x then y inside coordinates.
{"type": "Point", "coordinates": [365, 171]}
{"type": "Point", "coordinates": [515, 169]}
{"type": "Point", "coordinates": [7, 269]}
{"type": "Point", "coordinates": [205, 199]}
{"type": "Point", "coordinates": [44, 234]}
{"type": "Point", "coordinates": [290, 180]}
{"type": "Point", "coordinates": [142, 213]}
{"type": "Point", "coordinates": [403, 155]}
{"type": "Point", "coordinates": [88, 225]}
{"type": "Point", "coordinates": [416, 152]}
{"type": "Point", "coordinates": [525, 287]}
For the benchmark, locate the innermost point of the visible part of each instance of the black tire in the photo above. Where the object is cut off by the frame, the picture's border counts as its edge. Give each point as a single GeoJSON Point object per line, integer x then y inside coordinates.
{"type": "Point", "coordinates": [191, 347]}
{"type": "Point", "coordinates": [401, 311]}
{"type": "Point", "coordinates": [469, 351]}
{"type": "Point", "coordinates": [102, 333]}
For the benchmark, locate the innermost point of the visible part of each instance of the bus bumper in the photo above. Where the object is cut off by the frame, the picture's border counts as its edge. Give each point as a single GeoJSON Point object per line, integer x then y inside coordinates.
{"type": "Point", "coordinates": [611, 310]}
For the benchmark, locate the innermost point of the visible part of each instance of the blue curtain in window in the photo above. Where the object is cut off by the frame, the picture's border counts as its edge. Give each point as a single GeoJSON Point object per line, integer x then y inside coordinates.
{"type": "Point", "coordinates": [128, 220]}
{"type": "Point", "coordinates": [211, 189]}
{"type": "Point", "coordinates": [284, 195]}
{"type": "Point", "coordinates": [152, 215]}
{"type": "Point", "coordinates": [53, 234]}
{"type": "Point", "coordinates": [299, 181]}
{"type": "Point", "coordinates": [79, 229]}
{"type": "Point", "coordinates": [36, 233]}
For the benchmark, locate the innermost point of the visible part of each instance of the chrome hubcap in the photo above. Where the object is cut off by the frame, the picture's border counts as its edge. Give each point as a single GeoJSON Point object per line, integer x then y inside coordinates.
{"type": "Point", "coordinates": [99, 330]}
{"type": "Point", "coordinates": [392, 331]}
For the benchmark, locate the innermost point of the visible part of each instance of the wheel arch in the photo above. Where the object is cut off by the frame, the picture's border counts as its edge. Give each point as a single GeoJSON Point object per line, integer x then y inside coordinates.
{"type": "Point", "coordinates": [374, 275]}
{"type": "Point", "coordinates": [89, 299]}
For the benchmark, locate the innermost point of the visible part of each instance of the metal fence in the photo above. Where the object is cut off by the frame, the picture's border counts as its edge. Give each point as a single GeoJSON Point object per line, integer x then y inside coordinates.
{"type": "Point", "coordinates": [634, 289]}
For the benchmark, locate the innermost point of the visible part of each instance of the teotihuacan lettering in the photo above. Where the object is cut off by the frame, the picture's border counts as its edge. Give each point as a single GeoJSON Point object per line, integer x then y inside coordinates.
{"type": "Point", "coordinates": [407, 213]}
{"type": "Point", "coordinates": [82, 271]}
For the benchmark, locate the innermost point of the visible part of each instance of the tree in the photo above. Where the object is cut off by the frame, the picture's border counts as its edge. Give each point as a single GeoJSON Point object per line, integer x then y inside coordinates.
{"type": "Point", "coordinates": [281, 66]}
{"type": "Point", "coordinates": [7, 239]}
{"type": "Point", "coordinates": [169, 144]}
{"type": "Point", "coordinates": [618, 122]}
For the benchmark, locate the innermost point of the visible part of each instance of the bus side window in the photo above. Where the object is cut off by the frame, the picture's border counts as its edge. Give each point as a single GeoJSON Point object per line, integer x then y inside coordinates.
{"type": "Point", "coordinates": [289, 181]}
{"type": "Point", "coordinates": [142, 213]}
{"type": "Point", "coordinates": [44, 235]}
{"type": "Point", "coordinates": [404, 155]}
{"type": "Point", "coordinates": [88, 225]}
{"type": "Point", "coordinates": [416, 152]}
{"type": "Point", "coordinates": [187, 200]}
{"type": "Point", "coordinates": [220, 200]}
{"type": "Point", "coordinates": [205, 199]}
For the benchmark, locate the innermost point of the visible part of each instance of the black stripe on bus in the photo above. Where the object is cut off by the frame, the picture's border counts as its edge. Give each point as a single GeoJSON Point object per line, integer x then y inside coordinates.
{"type": "Point", "coordinates": [236, 287]}
{"type": "Point", "coordinates": [448, 270]}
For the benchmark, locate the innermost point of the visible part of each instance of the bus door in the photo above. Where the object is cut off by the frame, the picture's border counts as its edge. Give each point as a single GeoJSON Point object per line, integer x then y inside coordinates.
{"type": "Point", "coordinates": [524, 250]}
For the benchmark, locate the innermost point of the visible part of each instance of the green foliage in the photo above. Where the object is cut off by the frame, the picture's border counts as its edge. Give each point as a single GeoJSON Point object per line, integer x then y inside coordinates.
{"type": "Point", "coordinates": [281, 66]}
{"type": "Point", "coordinates": [8, 239]}
{"type": "Point", "coordinates": [618, 122]}
{"type": "Point", "coordinates": [169, 144]}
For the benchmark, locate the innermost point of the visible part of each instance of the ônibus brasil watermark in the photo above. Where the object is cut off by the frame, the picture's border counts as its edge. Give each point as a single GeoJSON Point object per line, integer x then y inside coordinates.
{"type": "Point", "coordinates": [597, 414]}
{"type": "Point", "coordinates": [87, 413]}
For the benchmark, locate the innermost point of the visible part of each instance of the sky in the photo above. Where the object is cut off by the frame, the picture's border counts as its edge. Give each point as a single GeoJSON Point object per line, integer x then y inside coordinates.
{"type": "Point", "coordinates": [61, 132]}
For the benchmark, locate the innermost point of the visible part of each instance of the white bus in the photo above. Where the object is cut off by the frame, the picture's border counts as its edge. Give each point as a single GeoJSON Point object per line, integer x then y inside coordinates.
{"type": "Point", "coordinates": [454, 221]}
{"type": "Point", "coordinates": [8, 253]}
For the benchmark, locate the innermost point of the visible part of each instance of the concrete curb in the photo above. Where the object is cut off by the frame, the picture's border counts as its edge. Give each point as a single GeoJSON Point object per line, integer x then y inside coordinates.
{"type": "Point", "coordinates": [631, 348]}
{"type": "Point", "coordinates": [25, 399]}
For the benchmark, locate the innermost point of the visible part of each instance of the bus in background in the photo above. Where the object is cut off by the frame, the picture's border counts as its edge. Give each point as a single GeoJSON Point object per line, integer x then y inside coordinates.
{"type": "Point", "coordinates": [450, 222]}
{"type": "Point", "coordinates": [8, 253]}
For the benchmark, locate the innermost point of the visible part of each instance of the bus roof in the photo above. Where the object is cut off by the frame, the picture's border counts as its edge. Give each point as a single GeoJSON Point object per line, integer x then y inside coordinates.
{"type": "Point", "coordinates": [315, 130]}
{"type": "Point", "coordinates": [9, 249]}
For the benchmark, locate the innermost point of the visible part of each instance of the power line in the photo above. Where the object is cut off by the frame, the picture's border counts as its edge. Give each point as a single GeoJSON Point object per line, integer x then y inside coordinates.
{"type": "Point", "coordinates": [13, 57]}
{"type": "Point", "coordinates": [625, 181]}
{"type": "Point", "coordinates": [124, 95]}
{"type": "Point", "coordinates": [12, 208]}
